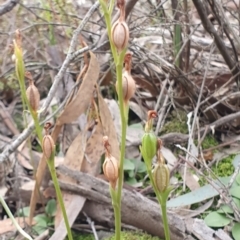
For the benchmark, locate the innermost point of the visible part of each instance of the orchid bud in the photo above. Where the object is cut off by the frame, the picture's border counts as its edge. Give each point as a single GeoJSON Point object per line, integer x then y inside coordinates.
{"type": "Point", "coordinates": [149, 140]}
{"type": "Point", "coordinates": [149, 146]}
{"type": "Point", "coordinates": [111, 170]}
{"type": "Point", "coordinates": [161, 177]}
{"type": "Point", "coordinates": [110, 165]}
{"type": "Point", "coordinates": [48, 145]}
{"type": "Point", "coordinates": [120, 30]}
{"type": "Point", "coordinates": [32, 93]}
{"type": "Point", "coordinates": [128, 86]}
{"type": "Point", "coordinates": [128, 83]}
{"type": "Point", "coordinates": [120, 35]}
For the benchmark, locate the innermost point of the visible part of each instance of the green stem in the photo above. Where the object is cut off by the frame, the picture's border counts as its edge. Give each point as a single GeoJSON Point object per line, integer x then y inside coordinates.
{"type": "Point", "coordinates": [20, 71]}
{"type": "Point", "coordinates": [117, 213]}
{"type": "Point", "coordinates": [118, 60]}
{"type": "Point", "coordinates": [51, 167]}
{"type": "Point", "coordinates": [15, 223]}
{"type": "Point", "coordinates": [123, 114]}
{"type": "Point", "coordinates": [111, 5]}
{"type": "Point", "coordinates": [107, 16]}
{"type": "Point", "coordinates": [162, 200]}
{"type": "Point", "coordinates": [165, 219]}
{"type": "Point", "coordinates": [37, 125]}
{"type": "Point", "coordinates": [150, 175]}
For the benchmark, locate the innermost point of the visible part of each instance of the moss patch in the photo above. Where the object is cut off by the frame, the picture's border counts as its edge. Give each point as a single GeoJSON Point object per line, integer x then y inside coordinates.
{"type": "Point", "coordinates": [127, 235]}
{"type": "Point", "coordinates": [209, 141]}
{"type": "Point", "coordinates": [82, 236]}
{"type": "Point", "coordinates": [176, 123]}
{"type": "Point", "coordinates": [225, 167]}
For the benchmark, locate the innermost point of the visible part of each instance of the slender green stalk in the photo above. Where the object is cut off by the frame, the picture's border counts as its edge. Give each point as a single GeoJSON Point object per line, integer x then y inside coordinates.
{"type": "Point", "coordinates": [162, 200]}
{"type": "Point", "coordinates": [123, 142]}
{"type": "Point", "coordinates": [117, 213]}
{"type": "Point", "coordinates": [118, 60]}
{"type": "Point", "coordinates": [51, 167]}
{"type": "Point", "coordinates": [164, 216]}
{"type": "Point", "coordinates": [20, 71]}
{"type": "Point", "coordinates": [111, 5]}
{"type": "Point", "coordinates": [107, 17]}
{"type": "Point", "coordinates": [15, 223]}
{"type": "Point", "coordinates": [159, 198]}
{"type": "Point", "coordinates": [177, 44]}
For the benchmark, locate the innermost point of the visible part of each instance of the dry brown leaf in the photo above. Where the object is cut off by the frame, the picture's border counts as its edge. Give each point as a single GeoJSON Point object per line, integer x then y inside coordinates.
{"type": "Point", "coordinates": [84, 95]}
{"type": "Point", "coordinates": [74, 109]}
{"type": "Point", "coordinates": [7, 119]}
{"type": "Point", "coordinates": [79, 150]}
{"type": "Point", "coordinates": [35, 194]}
{"type": "Point", "coordinates": [169, 156]}
{"type": "Point", "coordinates": [94, 151]}
{"type": "Point", "coordinates": [3, 191]}
{"type": "Point", "coordinates": [73, 160]}
{"type": "Point", "coordinates": [34, 157]}
{"type": "Point", "coordinates": [74, 205]}
{"type": "Point", "coordinates": [108, 126]}
{"type": "Point", "coordinates": [75, 153]}
{"type": "Point", "coordinates": [7, 225]}
{"type": "Point", "coordinates": [22, 159]}
{"type": "Point", "coordinates": [190, 179]}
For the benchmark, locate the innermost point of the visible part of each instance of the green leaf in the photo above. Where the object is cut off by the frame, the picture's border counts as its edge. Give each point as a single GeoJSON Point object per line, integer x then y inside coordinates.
{"type": "Point", "coordinates": [132, 181]}
{"type": "Point", "coordinates": [198, 195]}
{"type": "Point", "coordinates": [235, 184]}
{"type": "Point", "coordinates": [131, 174]}
{"type": "Point", "coordinates": [39, 229]}
{"type": "Point", "coordinates": [238, 179]}
{"type": "Point", "coordinates": [141, 167]}
{"type": "Point", "coordinates": [51, 208]}
{"type": "Point", "coordinates": [235, 192]}
{"type": "Point", "coordinates": [41, 220]}
{"type": "Point", "coordinates": [225, 209]}
{"type": "Point", "coordinates": [215, 219]}
{"type": "Point", "coordinates": [236, 231]}
{"type": "Point", "coordinates": [236, 161]}
{"type": "Point", "coordinates": [202, 193]}
{"type": "Point", "coordinates": [136, 126]}
{"type": "Point", "coordinates": [237, 202]}
{"type": "Point", "coordinates": [128, 165]}
{"type": "Point", "coordinates": [24, 212]}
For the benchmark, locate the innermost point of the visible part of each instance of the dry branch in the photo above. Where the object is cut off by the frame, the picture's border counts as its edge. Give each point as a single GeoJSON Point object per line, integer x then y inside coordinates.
{"type": "Point", "coordinates": [218, 40]}
{"type": "Point", "coordinates": [137, 210]}
{"type": "Point", "coordinates": [8, 6]}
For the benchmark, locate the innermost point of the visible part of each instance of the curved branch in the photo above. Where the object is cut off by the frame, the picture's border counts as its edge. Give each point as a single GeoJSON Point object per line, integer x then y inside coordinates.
{"type": "Point", "coordinates": [8, 6]}
{"type": "Point", "coordinates": [217, 39]}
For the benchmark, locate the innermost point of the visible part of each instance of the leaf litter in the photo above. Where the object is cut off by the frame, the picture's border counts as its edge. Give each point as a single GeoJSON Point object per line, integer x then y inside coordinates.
{"type": "Point", "coordinates": [150, 84]}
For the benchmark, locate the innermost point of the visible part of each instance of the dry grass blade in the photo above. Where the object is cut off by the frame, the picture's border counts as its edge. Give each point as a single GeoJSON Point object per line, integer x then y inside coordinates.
{"type": "Point", "coordinates": [7, 226]}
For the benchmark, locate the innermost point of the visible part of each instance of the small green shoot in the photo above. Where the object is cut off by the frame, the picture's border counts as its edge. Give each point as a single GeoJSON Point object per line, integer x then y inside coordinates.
{"type": "Point", "coordinates": [44, 220]}
{"type": "Point", "coordinates": [135, 172]}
